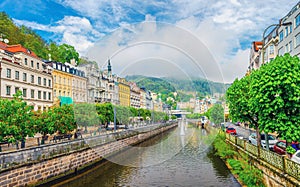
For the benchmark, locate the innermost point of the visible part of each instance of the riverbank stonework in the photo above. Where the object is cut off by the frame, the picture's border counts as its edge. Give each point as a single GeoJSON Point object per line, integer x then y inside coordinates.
{"type": "Point", "coordinates": [61, 164]}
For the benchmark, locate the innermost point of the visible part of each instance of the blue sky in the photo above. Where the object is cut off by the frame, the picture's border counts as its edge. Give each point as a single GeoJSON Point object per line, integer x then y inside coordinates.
{"type": "Point", "coordinates": [225, 27]}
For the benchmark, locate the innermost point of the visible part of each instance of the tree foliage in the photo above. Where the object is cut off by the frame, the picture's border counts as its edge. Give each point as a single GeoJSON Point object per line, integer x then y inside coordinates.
{"type": "Point", "coordinates": [275, 96]}
{"type": "Point", "coordinates": [85, 115]}
{"type": "Point", "coordinates": [217, 114]}
{"type": "Point", "coordinates": [268, 98]}
{"type": "Point", "coordinates": [16, 119]}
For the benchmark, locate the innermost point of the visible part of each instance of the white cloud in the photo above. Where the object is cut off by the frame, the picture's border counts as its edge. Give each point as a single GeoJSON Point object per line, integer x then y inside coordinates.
{"type": "Point", "coordinates": [76, 31]}
{"type": "Point", "coordinates": [220, 25]}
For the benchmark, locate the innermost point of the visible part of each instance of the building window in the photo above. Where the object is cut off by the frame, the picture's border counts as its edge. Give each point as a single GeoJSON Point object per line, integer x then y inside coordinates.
{"type": "Point", "coordinates": [39, 80]}
{"type": "Point", "coordinates": [37, 65]}
{"type": "Point", "coordinates": [59, 93]}
{"type": "Point", "coordinates": [32, 94]}
{"type": "Point", "coordinates": [32, 64]}
{"type": "Point", "coordinates": [17, 75]}
{"type": "Point", "coordinates": [16, 89]}
{"type": "Point", "coordinates": [39, 94]}
{"type": "Point", "coordinates": [8, 73]}
{"type": "Point", "coordinates": [280, 36]}
{"type": "Point", "coordinates": [32, 78]}
{"type": "Point", "coordinates": [54, 65]}
{"type": "Point", "coordinates": [297, 21]}
{"type": "Point", "coordinates": [49, 96]}
{"type": "Point", "coordinates": [297, 40]}
{"type": "Point", "coordinates": [24, 92]}
{"type": "Point", "coordinates": [291, 28]}
{"type": "Point", "coordinates": [25, 61]}
{"type": "Point", "coordinates": [286, 31]}
{"type": "Point", "coordinates": [280, 51]}
{"type": "Point", "coordinates": [54, 79]}
{"type": "Point", "coordinates": [8, 88]}
{"type": "Point", "coordinates": [45, 82]}
{"type": "Point", "coordinates": [24, 77]}
{"type": "Point", "coordinates": [44, 95]}
{"type": "Point", "coordinates": [54, 93]}
{"type": "Point", "coordinates": [271, 49]}
{"type": "Point", "coordinates": [291, 46]}
{"type": "Point", "coordinates": [287, 48]}
{"type": "Point", "coordinates": [49, 83]}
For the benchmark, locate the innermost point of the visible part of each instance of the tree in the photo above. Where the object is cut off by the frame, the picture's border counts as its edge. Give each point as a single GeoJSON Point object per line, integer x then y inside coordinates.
{"type": "Point", "coordinates": [238, 97]}
{"type": "Point", "coordinates": [45, 123]}
{"type": "Point", "coordinates": [217, 114]}
{"type": "Point", "coordinates": [86, 115]}
{"type": "Point", "coordinates": [275, 97]}
{"type": "Point", "coordinates": [63, 118]}
{"type": "Point", "coordinates": [66, 53]}
{"type": "Point", "coordinates": [16, 120]}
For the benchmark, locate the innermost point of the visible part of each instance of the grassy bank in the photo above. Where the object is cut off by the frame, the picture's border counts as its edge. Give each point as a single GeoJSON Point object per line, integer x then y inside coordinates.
{"type": "Point", "coordinates": [238, 163]}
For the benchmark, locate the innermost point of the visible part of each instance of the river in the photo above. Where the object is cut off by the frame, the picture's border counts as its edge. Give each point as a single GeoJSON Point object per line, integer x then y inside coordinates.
{"type": "Point", "coordinates": [170, 159]}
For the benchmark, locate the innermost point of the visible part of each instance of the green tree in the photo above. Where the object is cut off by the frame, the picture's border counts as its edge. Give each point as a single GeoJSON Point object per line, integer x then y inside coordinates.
{"type": "Point", "coordinates": [16, 120]}
{"type": "Point", "coordinates": [86, 115]}
{"type": "Point", "coordinates": [66, 53]}
{"type": "Point", "coordinates": [63, 118]}
{"type": "Point", "coordinates": [217, 114]}
{"type": "Point", "coordinates": [275, 93]}
{"type": "Point", "coordinates": [239, 99]}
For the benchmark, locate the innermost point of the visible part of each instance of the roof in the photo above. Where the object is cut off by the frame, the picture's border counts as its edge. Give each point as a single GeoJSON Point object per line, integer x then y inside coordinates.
{"type": "Point", "coordinates": [256, 45]}
{"type": "Point", "coordinates": [20, 48]}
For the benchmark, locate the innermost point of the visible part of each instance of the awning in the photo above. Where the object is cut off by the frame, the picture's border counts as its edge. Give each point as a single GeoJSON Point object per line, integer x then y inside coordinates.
{"type": "Point", "coordinates": [65, 100]}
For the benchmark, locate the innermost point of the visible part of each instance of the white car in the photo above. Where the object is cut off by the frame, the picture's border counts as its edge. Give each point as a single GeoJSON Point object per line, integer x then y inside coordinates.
{"type": "Point", "coordinates": [296, 157]}
{"type": "Point", "coordinates": [272, 140]}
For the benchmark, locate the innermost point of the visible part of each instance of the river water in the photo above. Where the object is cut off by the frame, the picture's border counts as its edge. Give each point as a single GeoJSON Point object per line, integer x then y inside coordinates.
{"type": "Point", "coordinates": [173, 158]}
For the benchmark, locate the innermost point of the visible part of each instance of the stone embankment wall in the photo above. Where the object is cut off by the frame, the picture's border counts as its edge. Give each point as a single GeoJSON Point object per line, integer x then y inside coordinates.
{"type": "Point", "coordinates": [34, 165]}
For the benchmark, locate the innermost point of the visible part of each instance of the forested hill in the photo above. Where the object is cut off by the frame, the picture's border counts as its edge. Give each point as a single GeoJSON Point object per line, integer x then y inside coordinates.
{"type": "Point", "coordinates": [31, 40]}
{"type": "Point", "coordinates": [167, 85]}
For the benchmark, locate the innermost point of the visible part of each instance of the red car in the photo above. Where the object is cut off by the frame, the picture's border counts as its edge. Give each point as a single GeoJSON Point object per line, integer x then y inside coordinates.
{"type": "Point", "coordinates": [280, 146]}
{"type": "Point", "coordinates": [231, 130]}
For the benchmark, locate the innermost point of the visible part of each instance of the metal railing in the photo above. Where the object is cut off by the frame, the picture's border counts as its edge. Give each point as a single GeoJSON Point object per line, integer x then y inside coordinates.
{"type": "Point", "coordinates": [280, 162]}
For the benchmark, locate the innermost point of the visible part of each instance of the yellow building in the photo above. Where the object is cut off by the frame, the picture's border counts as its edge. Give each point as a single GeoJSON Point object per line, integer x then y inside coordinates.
{"type": "Point", "coordinates": [124, 92]}
{"type": "Point", "coordinates": [62, 82]}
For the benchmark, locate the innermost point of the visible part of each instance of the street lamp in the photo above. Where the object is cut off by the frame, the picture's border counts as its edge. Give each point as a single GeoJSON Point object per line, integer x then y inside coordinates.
{"type": "Point", "coordinates": [263, 60]}
{"type": "Point", "coordinates": [263, 36]}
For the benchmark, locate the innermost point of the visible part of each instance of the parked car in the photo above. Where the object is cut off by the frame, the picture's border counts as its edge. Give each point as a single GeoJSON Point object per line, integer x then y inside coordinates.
{"type": "Point", "coordinates": [296, 157]}
{"type": "Point", "coordinates": [231, 130]}
{"type": "Point", "coordinates": [280, 146]}
{"type": "Point", "coordinates": [272, 140]}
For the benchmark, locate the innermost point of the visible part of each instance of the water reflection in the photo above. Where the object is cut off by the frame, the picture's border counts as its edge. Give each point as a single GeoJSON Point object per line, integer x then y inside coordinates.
{"type": "Point", "coordinates": [194, 165]}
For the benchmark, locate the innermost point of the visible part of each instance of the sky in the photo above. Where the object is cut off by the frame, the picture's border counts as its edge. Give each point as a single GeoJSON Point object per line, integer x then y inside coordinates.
{"type": "Point", "coordinates": [181, 38]}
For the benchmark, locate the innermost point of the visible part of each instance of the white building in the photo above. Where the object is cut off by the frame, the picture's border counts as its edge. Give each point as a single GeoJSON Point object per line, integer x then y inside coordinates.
{"type": "Point", "coordinates": [22, 70]}
{"type": "Point", "coordinates": [289, 36]}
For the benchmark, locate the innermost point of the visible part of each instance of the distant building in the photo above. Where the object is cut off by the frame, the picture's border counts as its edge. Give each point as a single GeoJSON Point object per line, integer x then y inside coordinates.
{"type": "Point", "coordinates": [22, 70]}
{"type": "Point", "coordinates": [95, 85]}
{"type": "Point", "coordinates": [254, 55]}
{"type": "Point", "coordinates": [135, 97]}
{"type": "Point", "coordinates": [124, 92]}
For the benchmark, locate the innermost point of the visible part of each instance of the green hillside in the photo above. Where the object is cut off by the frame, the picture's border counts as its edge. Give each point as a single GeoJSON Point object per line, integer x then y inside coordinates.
{"type": "Point", "coordinates": [185, 89]}
{"type": "Point", "coordinates": [31, 40]}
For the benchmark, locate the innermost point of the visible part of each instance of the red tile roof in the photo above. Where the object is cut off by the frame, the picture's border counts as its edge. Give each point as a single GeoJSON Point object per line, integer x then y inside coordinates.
{"type": "Point", "coordinates": [17, 48]}
{"type": "Point", "coordinates": [256, 45]}
{"type": "Point", "coordinates": [20, 48]}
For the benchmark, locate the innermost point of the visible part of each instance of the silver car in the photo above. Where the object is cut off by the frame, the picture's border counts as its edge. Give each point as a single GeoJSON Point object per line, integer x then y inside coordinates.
{"type": "Point", "coordinates": [272, 140]}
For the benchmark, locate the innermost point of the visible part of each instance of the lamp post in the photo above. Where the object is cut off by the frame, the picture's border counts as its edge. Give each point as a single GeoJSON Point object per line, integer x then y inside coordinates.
{"type": "Point", "coordinates": [263, 60]}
